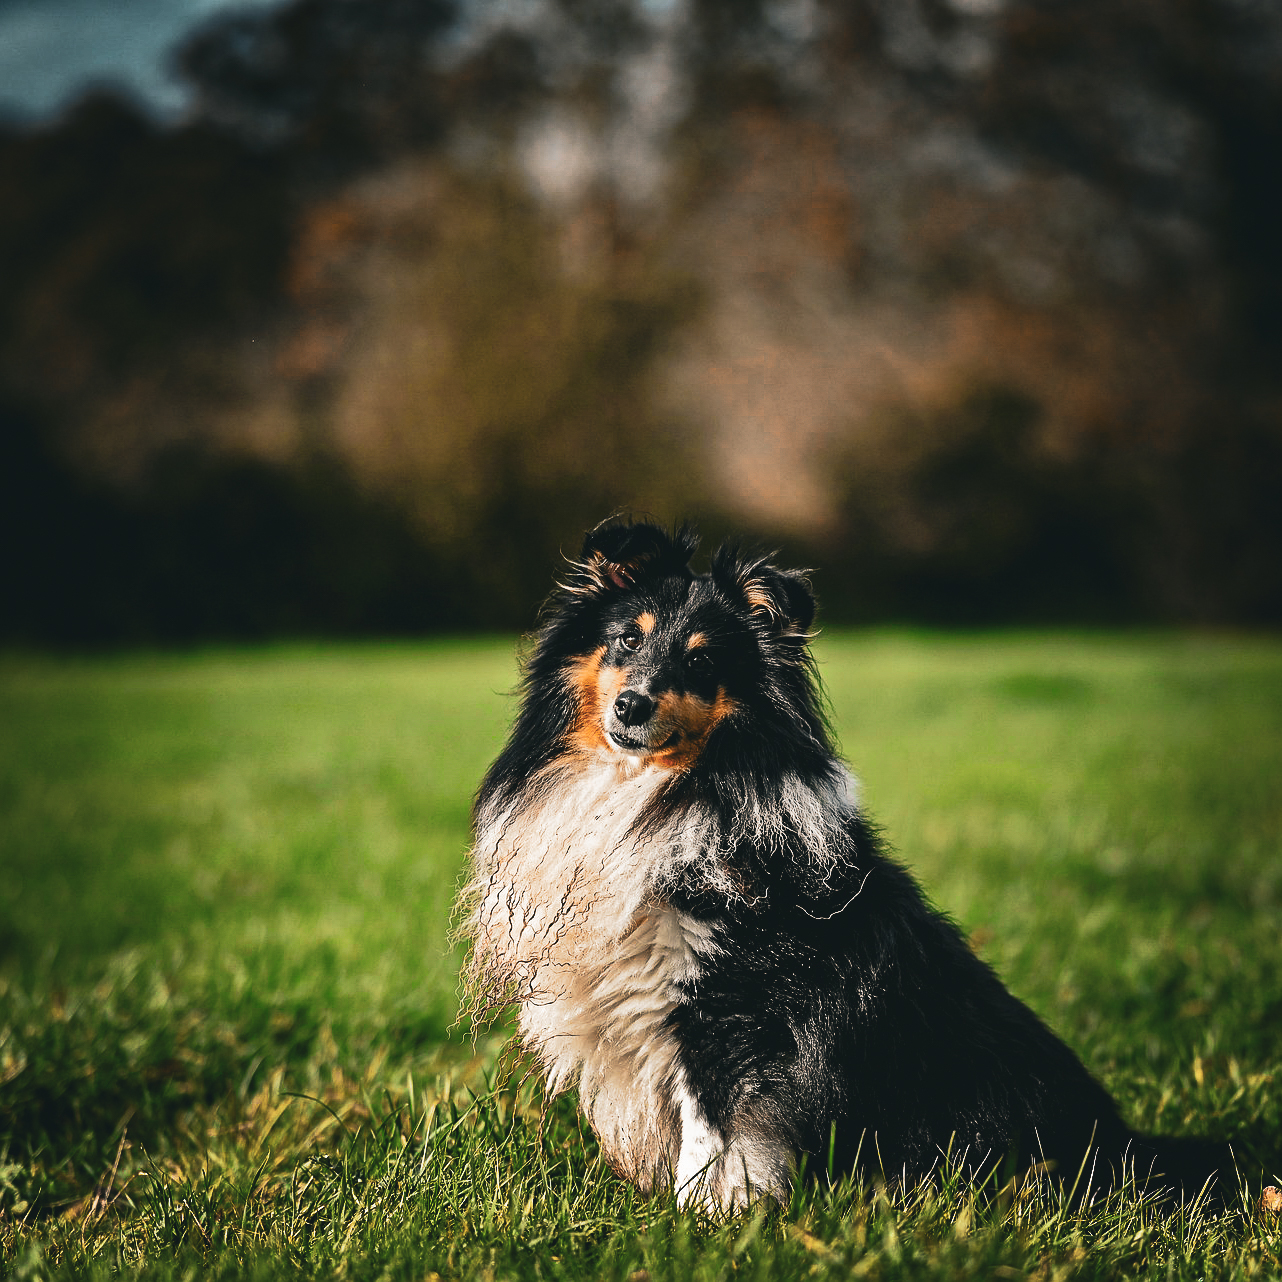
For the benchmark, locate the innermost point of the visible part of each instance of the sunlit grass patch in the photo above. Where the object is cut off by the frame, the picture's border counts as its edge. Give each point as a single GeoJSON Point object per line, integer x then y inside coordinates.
{"type": "Point", "coordinates": [226, 983]}
{"type": "Point", "coordinates": [437, 1176]}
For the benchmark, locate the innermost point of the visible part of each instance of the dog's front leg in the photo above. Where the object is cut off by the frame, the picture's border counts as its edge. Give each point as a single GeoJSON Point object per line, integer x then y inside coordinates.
{"type": "Point", "coordinates": [727, 1171]}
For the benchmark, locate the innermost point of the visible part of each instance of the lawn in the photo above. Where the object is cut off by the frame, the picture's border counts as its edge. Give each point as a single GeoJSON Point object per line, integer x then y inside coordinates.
{"type": "Point", "coordinates": [226, 985]}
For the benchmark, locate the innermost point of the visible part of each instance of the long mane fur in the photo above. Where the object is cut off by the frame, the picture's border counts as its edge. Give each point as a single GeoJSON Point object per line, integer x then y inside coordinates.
{"type": "Point", "coordinates": [766, 791]}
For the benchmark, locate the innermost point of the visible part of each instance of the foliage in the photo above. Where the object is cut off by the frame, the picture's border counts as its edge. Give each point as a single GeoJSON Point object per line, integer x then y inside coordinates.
{"type": "Point", "coordinates": [207, 545]}
{"type": "Point", "coordinates": [447, 283]}
{"type": "Point", "coordinates": [226, 982]}
{"type": "Point", "coordinates": [972, 514]}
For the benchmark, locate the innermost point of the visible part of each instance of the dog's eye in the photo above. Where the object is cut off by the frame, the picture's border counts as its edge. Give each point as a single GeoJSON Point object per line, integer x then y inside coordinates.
{"type": "Point", "coordinates": [699, 661]}
{"type": "Point", "coordinates": [631, 639]}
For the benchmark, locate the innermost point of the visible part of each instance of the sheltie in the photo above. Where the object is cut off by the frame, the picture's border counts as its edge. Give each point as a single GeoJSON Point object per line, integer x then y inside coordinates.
{"type": "Point", "coordinates": [675, 883]}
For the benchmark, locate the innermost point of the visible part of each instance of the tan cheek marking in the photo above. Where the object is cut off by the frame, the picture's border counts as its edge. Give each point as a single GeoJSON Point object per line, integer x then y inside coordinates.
{"type": "Point", "coordinates": [585, 678]}
{"type": "Point", "coordinates": [646, 622]}
{"type": "Point", "coordinates": [696, 720]}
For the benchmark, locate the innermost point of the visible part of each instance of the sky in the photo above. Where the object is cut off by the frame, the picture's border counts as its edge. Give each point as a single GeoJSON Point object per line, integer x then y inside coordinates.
{"type": "Point", "coordinates": [52, 50]}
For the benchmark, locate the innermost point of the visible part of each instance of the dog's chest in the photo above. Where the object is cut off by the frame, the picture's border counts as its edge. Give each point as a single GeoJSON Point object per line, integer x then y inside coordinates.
{"type": "Point", "coordinates": [598, 960]}
{"type": "Point", "coordinates": [566, 874]}
{"type": "Point", "coordinates": [605, 1024]}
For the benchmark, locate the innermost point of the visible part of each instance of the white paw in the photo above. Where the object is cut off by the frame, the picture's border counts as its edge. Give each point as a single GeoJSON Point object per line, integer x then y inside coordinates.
{"type": "Point", "coordinates": [727, 1175]}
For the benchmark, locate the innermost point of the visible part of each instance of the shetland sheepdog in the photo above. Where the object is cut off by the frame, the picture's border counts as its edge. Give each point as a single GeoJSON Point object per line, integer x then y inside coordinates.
{"type": "Point", "coordinates": [675, 883]}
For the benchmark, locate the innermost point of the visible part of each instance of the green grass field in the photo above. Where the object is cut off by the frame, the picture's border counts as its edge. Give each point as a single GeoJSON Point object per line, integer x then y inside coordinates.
{"type": "Point", "coordinates": [226, 986]}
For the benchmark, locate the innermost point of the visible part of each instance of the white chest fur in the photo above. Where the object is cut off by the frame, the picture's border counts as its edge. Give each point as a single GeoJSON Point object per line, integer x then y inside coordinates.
{"type": "Point", "coordinates": [567, 922]}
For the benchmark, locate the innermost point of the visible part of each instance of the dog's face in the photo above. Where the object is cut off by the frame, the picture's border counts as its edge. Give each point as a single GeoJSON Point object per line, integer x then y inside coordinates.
{"type": "Point", "coordinates": [672, 656]}
{"type": "Point", "coordinates": [657, 684]}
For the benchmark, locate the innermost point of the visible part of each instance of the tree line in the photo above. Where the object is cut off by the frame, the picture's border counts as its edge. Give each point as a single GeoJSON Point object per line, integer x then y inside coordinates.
{"type": "Point", "coordinates": [977, 307]}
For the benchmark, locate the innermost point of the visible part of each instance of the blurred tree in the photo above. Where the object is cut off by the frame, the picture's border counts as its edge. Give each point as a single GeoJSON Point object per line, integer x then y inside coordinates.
{"type": "Point", "coordinates": [965, 517]}
{"type": "Point", "coordinates": [980, 300]}
{"type": "Point", "coordinates": [1173, 110]}
{"type": "Point", "coordinates": [118, 238]}
{"type": "Point", "coordinates": [340, 84]}
{"type": "Point", "coordinates": [206, 546]}
{"type": "Point", "coordinates": [498, 384]}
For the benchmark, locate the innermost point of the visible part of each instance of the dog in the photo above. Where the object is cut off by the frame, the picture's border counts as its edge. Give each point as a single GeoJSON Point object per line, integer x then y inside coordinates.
{"type": "Point", "coordinates": [674, 882]}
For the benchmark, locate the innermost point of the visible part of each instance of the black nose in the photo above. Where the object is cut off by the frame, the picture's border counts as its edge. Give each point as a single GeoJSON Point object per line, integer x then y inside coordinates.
{"type": "Point", "coordinates": [634, 708]}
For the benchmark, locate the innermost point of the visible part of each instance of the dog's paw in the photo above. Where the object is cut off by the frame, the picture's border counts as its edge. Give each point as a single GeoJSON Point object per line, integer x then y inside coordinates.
{"type": "Point", "coordinates": [734, 1176]}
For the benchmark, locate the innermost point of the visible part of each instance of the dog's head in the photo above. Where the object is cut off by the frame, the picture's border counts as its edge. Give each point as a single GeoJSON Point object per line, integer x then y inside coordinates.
{"type": "Point", "coordinates": [664, 656]}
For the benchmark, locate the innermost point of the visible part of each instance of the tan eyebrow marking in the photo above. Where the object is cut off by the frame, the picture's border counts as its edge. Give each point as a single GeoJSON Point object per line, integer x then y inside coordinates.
{"type": "Point", "coordinates": [646, 622]}
{"type": "Point", "coordinates": [696, 640]}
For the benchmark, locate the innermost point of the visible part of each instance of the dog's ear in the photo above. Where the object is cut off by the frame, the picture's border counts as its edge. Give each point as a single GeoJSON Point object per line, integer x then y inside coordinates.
{"type": "Point", "coordinates": [781, 600]}
{"type": "Point", "coordinates": [617, 556]}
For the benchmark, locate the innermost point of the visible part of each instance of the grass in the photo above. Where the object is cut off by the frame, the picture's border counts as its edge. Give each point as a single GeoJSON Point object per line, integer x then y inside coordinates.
{"type": "Point", "coordinates": [226, 985]}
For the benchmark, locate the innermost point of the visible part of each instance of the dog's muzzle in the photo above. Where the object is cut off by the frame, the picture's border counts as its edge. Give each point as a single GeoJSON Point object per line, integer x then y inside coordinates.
{"type": "Point", "coordinates": [633, 708]}
{"type": "Point", "coordinates": [631, 724]}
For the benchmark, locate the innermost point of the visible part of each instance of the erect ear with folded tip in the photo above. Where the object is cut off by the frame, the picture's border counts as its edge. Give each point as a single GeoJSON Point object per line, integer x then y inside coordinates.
{"type": "Point", "coordinates": [781, 599]}
{"type": "Point", "coordinates": [621, 555]}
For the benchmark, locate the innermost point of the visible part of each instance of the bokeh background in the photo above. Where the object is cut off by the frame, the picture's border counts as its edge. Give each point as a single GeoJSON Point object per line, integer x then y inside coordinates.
{"type": "Point", "coordinates": [348, 316]}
